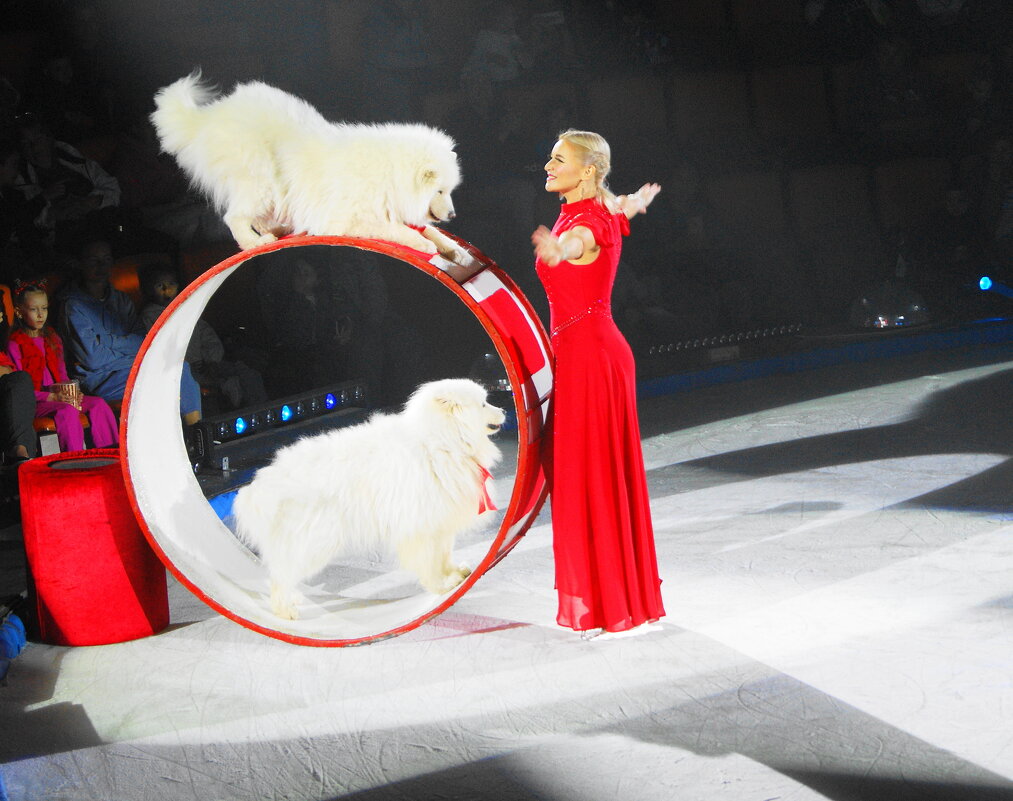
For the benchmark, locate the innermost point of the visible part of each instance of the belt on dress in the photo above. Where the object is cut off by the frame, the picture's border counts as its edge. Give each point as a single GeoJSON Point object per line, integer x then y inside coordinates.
{"type": "Point", "coordinates": [599, 307]}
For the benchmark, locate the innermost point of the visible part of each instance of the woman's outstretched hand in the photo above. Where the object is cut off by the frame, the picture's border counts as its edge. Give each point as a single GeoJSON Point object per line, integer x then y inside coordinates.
{"type": "Point", "coordinates": [637, 203]}
{"type": "Point", "coordinates": [547, 246]}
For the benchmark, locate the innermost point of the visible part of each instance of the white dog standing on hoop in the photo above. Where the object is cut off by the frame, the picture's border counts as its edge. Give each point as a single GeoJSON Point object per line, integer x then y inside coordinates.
{"type": "Point", "coordinates": [273, 166]}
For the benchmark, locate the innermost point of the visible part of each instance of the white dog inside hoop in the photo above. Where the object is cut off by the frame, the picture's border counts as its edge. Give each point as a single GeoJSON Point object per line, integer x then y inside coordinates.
{"type": "Point", "coordinates": [202, 552]}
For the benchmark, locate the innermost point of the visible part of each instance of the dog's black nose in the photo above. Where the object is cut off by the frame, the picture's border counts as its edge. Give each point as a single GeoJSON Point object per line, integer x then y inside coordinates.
{"type": "Point", "coordinates": [451, 215]}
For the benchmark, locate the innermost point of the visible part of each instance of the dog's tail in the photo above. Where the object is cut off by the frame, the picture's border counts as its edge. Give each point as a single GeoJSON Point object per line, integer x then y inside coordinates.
{"type": "Point", "coordinates": [177, 111]}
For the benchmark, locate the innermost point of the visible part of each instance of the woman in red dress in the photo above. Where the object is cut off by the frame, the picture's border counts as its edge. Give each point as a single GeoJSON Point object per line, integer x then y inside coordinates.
{"type": "Point", "coordinates": [603, 539]}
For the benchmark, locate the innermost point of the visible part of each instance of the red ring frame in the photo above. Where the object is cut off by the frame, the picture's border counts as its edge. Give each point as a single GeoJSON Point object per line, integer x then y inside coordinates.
{"type": "Point", "coordinates": [500, 313]}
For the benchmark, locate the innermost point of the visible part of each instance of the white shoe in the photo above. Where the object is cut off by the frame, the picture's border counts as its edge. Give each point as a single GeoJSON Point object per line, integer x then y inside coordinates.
{"type": "Point", "coordinates": [643, 628]}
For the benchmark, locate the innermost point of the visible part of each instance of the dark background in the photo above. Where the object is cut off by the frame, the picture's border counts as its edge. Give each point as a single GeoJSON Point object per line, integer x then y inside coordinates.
{"type": "Point", "coordinates": [810, 153]}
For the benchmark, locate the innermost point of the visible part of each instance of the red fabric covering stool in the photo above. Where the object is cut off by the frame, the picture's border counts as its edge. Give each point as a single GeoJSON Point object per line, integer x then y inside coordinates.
{"type": "Point", "coordinates": [93, 578]}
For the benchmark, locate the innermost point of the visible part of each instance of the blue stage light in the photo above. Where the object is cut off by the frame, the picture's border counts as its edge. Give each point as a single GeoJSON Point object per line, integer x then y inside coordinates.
{"type": "Point", "coordinates": [240, 425]}
{"type": "Point", "coordinates": [985, 283]}
{"type": "Point", "coordinates": [286, 413]}
{"type": "Point", "coordinates": [330, 400]}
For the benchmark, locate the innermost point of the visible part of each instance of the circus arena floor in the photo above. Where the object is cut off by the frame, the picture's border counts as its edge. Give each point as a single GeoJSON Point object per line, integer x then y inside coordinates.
{"type": "Point", "coordinates": [836, 547]}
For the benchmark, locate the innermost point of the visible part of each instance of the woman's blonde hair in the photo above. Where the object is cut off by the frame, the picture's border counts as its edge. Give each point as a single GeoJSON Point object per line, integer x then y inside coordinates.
{"type": "Point", "coordinates": [597, 154]}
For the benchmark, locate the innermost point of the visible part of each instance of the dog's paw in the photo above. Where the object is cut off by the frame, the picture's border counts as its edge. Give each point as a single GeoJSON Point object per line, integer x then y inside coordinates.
{"type": "Point", "coordinates": [455, 577]}
{"type": "Point", "coordinates": [254, 240]}
{"type": "Point", "coordinates": [422, 244]}
{"type": "Point", "coordinates": [463, 258]}
{"type": "Point", "coordinates": [284, 603]}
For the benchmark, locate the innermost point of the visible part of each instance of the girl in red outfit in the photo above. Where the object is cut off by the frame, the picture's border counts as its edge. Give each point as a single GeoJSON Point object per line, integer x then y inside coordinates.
{"type": "Point", "coordinates": [603, 539]}
{"type": "Point", "coordinates": [38, 350]}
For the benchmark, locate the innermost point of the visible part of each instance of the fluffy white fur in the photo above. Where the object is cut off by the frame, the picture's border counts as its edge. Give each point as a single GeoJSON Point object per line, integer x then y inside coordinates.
{"type": "Point", "coordinates": [273, 165]}
{"type": "Point", "coordinates": [407, 483]}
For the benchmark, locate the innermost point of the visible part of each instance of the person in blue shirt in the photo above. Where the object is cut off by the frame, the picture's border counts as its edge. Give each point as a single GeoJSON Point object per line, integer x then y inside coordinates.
{"type": "Point", "coordinates": [100, 326]}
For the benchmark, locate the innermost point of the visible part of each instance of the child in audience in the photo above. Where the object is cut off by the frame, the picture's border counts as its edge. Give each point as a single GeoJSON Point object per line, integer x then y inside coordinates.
{"type": "Point", "coordinates": [38, 350]}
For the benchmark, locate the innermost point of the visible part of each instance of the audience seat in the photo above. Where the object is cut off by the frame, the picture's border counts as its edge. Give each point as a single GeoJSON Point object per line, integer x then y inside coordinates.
{"type": "Point", "coordinates": [124, 276]}
{"type": "Point", "coordinates": [198, 259]}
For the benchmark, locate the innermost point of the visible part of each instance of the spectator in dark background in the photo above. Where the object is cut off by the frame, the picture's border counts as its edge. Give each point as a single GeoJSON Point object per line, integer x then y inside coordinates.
{"type": "Point", "coordinates": [98, 322]}
{"type": "Point", "coordinates": [80, 195]}
{"type": "Point", "coordinates": [101, 331]}
{"type": "Point", "coordinates": [77, 191]}
{"type": "Point", "coordinates": [158, 193]}
{"type": "Point", "coordinates": [68, 106]}
{"type": "Point", "coordinates": [18, 213]}
{"type": "Point", "coordinates": [238, 384]}
{"type": "Point", "coordinates": [915, 98]}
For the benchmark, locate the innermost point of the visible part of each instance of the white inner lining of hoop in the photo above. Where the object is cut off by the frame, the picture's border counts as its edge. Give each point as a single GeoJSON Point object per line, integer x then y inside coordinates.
{"type": "Point", "coordinates": [186, 528]}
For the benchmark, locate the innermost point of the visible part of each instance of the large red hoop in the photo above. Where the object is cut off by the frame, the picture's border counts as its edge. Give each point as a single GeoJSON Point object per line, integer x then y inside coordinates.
{"type": "Point", "coordinates": [199, 549]}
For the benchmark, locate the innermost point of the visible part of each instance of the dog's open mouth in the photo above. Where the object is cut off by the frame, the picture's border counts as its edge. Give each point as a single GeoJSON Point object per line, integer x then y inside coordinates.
{"type": "Point", "coordinates": [440, 218]}
{"type": "Point", "coordinates": [493, 428]}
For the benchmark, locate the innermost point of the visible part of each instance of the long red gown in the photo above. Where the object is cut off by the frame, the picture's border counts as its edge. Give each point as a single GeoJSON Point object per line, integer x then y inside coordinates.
{"type": "Point", "coordinates": [603, 538]}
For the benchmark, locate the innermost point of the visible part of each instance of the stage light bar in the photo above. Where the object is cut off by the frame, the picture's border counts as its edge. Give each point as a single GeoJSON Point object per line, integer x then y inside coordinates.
{"type": "Point", "coordinates": [213, 437]}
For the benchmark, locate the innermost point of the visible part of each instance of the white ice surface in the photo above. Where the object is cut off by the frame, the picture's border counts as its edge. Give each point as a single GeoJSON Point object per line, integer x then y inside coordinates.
{"type": "Point", "coordinates": [837, 575]}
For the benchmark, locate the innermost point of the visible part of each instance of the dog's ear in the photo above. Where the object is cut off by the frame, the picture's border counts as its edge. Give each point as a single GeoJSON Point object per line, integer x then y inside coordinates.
{"type": "Point", "coordinates": [447, 404]}
{"type": "Point", "coordinates": [427, 176]}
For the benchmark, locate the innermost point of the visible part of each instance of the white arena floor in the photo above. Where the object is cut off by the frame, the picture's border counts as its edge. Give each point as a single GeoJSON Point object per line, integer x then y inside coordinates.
{"type": "Point", "coordinates": [836, 547]}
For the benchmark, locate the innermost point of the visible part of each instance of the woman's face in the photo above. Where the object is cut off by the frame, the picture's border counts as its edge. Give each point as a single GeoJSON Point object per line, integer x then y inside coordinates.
{"type": "Point", "coordinates": [565, 169]}
{"type": "Point", "coordinates": [33, 310]}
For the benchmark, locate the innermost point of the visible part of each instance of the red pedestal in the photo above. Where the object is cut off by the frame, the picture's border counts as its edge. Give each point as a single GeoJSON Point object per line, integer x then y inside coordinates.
{"type": "Point", "coordinates": [93, 577]}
